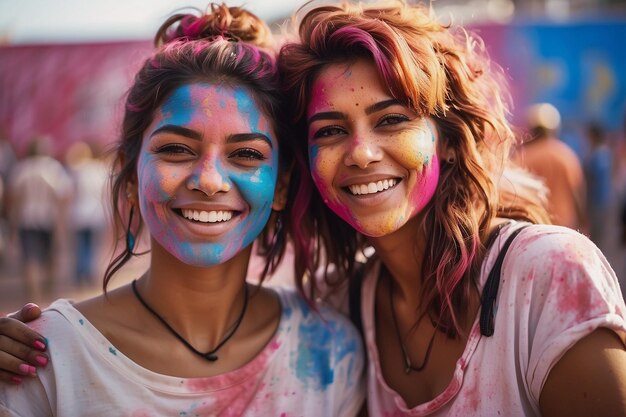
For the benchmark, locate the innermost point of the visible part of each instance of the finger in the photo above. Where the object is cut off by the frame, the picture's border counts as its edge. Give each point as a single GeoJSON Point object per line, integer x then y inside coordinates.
{"type": "Point", "coordinates": [14, 370]}
{"type": "Point", "coordinates": [28, 312]}
{"type": "Point", "coordinates": [10, 378]}
{"type": "Point", "coordinates": [14, 353]}
{"type": "Point", "coordinates": [12, 329]}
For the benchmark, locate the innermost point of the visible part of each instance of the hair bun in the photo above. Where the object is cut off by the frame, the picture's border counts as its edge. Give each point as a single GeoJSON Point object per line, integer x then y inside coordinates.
{"type": "Point", "coordinates": [219, 21]}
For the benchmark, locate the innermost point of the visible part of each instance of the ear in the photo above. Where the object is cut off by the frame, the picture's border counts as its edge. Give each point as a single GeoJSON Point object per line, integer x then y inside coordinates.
{"type": "Point", "coordinates": [280, 193]}
{"type": "Point", "coordinates": [132, 195]}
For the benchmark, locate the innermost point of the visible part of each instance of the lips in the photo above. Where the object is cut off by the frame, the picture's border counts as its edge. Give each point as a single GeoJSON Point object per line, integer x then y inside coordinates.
{"type": "Point", "coordinates": [372, 187]}
{"type": "Point", "coordinates": [202, 216]}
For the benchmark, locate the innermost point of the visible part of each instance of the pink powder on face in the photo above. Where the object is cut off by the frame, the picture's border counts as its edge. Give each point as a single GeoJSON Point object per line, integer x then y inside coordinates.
{"type": "Point", "coordinates": [424, 191]}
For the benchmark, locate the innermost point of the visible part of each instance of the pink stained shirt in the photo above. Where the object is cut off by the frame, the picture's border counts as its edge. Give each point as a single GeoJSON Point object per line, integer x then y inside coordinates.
{"type": "Point", "coordinates": [556, 288]}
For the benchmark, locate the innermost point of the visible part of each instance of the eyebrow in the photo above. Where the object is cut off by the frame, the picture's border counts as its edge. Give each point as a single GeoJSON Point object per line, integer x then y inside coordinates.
{"type": "Point", "coordinates": [382, 105]}
{"type": "Point", "coordinates": [327, 115]}
{"type": "Point", "coordinates": [245, 137]}
{"type": "Point", "coordinates": [178, 130]}
{"type": "Point", "coordinates": [335, 115]}
{"type": "Point", "coordinates": [192, 134]}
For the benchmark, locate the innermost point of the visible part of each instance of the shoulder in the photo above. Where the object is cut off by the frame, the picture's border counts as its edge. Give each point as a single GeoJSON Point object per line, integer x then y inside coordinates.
{"type": "Point", "coordinates": [61, 323]}
{"type": "Point", "coordinates": [320, 324]}
{"type": "Point", "coordinates": [325, 349]}
{"type": "Point", "coordinates": [64, 328]}
{"type": "Point", "coordinates": [563, 271]}
{"type": "Point", "coordinates": [553, 245]}
{"type": "Point", "coordinates": [320, 312]}
{"type": "Point", "coordinates": [58, 314]}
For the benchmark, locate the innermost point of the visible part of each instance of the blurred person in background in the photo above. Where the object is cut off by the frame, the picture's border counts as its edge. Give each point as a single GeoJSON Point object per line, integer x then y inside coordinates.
{"type": "Point", "coordinates": [87, 219]}
{"type": "Point", "coordinates": [598, 169]}
{"type": "Point", "coordinates": [7, 160]}
{"type": "Point", "coordinates": [38, 188]}
{"type": "Point", "coordinates": [551, 159]}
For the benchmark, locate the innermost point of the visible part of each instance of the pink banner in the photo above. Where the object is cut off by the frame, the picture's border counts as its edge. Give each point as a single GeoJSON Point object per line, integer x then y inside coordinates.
{"type": "Point", "coordinates": [68, 92]}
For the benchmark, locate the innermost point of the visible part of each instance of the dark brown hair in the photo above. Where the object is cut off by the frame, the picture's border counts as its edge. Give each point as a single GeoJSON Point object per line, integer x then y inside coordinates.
{"type": "Point", "coordinates": [226, 45]}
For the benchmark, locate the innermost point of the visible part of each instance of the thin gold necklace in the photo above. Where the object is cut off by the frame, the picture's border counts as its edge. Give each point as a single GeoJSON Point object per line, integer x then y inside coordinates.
{"type": "Point", "coordinates": [211, 354]}
{"type": "Point", "coordinates": [408, 365]}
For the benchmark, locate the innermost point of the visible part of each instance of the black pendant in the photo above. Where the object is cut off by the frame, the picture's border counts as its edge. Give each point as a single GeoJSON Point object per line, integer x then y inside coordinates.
{"type": "Point", "coordinates": [211, 357]}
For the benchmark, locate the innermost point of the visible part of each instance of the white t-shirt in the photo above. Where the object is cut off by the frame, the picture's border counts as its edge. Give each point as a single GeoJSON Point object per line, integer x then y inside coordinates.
{"type": "Point", "coordinates": [556, 287]}
{"type": "Point", "coordinates": [313, 366]}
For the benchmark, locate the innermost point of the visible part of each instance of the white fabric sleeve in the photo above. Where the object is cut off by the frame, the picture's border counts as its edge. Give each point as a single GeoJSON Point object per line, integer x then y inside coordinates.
{"type": "Point", "coordinates": [572, 291]}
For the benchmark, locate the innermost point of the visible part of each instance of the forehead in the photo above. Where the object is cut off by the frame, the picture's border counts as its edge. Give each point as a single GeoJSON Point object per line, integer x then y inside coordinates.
{"type": "Point", "coordinates": [211, 97]}
{"type": "Point", "coordinates": [346, 82]}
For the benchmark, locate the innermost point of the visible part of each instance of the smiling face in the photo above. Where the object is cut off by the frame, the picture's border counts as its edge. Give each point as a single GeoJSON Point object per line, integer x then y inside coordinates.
{"type": "Point", "coordinates": [373, 159]}
{"type": "Point", "coordinates": [207, 173]}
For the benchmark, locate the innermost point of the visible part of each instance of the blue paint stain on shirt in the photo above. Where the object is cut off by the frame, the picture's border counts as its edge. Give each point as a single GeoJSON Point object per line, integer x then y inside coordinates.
{"type": "Point", "coordinates": [315, 351]}
{"type": "Point", "coordinates": [112, 350]}
{"type": "Point", "coordinates": [82, 322]}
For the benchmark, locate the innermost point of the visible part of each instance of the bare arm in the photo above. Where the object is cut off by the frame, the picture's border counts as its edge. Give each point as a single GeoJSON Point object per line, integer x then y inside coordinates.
{"type": "Point", "coordinates": [589, 380]}
{"type": "Point", "coordinates": [21, 349]}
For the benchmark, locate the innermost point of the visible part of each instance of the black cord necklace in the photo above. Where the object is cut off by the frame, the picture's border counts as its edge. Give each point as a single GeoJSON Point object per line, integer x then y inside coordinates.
{"type": "Point", "coordinates": [408, 366]}
{"type": "Point", "coordinates": [210, 355]}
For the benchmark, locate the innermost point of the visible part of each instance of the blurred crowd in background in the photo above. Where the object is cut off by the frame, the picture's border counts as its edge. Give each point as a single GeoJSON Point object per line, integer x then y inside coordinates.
{"type": "Point", "coordinates": [59, 113]}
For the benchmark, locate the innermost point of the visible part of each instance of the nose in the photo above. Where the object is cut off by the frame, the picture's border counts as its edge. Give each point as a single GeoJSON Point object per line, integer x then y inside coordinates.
{"type": "Point", "coordinates": [362, 152]}
{"type": "Point", "coordinates": [208, 176]}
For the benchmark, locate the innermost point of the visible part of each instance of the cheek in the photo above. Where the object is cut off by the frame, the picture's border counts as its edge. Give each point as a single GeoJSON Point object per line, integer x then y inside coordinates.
{"type": "Point", "coordinates": [417, 151]}
{"type": "Point", "coordinates": [157, 183]}
{"type": "Point", "coordinates": [322, 162]}
{"type": "Point", "coordinates": [258, 187]}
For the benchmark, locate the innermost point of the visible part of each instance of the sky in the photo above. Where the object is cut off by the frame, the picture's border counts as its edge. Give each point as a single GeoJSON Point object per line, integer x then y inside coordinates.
{"type": "Point", "coordinates": [51, 21]}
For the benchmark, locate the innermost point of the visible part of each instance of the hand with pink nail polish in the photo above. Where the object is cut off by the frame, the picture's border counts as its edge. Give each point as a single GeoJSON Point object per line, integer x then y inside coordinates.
{"type": "Point", "coordinates": [22, 350]}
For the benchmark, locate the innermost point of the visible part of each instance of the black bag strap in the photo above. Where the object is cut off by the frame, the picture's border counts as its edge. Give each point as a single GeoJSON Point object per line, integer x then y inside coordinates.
{"type": "Point", "coordinates": [490, 291]}
{"type": "Point", "coordinates": [354, 296]}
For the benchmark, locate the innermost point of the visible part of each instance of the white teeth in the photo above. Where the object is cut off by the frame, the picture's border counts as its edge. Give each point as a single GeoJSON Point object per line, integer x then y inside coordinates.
{"type": "Point", "coordinates": [372, 187]}
{"type": "Point", "coordinates": [207, 216]}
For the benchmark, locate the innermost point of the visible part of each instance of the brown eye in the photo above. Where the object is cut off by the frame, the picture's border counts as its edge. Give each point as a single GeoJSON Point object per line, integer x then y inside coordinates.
{"type": "Point", "coordinates": [173, 148]}
{"type": "Point", "coordinates": [392, 119]}
{"type": "Point", "coordinates": [247, 153]}
{"type": "Point", "coordinates": [328, 131]}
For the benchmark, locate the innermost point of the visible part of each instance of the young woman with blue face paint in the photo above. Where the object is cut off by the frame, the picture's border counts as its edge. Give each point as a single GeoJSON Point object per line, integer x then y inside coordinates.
{"type": "Point", "coordinates": [201, 165]}
{"type": "Point", "coordinates": [401, 123]}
